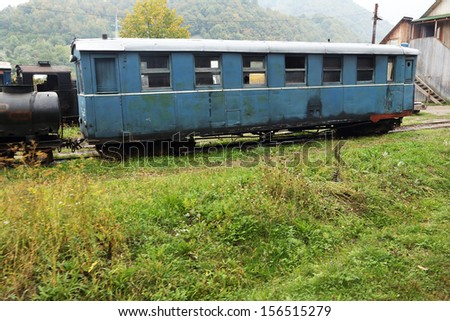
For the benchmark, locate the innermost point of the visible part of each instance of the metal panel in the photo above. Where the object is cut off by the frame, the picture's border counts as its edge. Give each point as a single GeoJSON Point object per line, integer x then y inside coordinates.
{"type": "Point", "coordinates": [108, 115]}
{"type": "Point", "coordinates": [193, 111]}
{"type": "Point", "coordinates": [217, 109]}
{"type": "Point", "coordinates": [408, 97]}
{"type": "Point", "coordinates": [362, 100]}
{"type": "Point", "coordinates": [233, 102]}
{"type": "Point", "coordinates": [255, 108]}
{"type": "Point", "coordinates": [288, 105]}
{"type": "Point", "coordinates": [147, 114]}
{"type": "Point", "coordinates": [275, 70]}
{"type": "Point", "coordinates": [232, 71]}
{"type": "Point", "coordinates": [332, 102]}
{"type": "Point", "coordinates": [381, 63]}
{"type": "Point", "coordinates": [394, 99]}
{"type": "Point", "coordinates": [314, 70]}
{"type": "Point", "coordinates": [182, 71]}
{"type": "Point", "coordinates": [349, 70]}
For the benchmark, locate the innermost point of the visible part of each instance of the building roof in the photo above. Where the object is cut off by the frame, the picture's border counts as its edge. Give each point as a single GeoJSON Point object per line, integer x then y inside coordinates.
{"type": "Point", "coordinates": [388, 36]}
{"type": "Point", "coordinates": [432, 18]}
{"type": "Point", "coordinates": [5, 65]}
{"type": "Point", "coordinates": [36, 69]}
{"type": "Point", "coordinates": [239, 46]}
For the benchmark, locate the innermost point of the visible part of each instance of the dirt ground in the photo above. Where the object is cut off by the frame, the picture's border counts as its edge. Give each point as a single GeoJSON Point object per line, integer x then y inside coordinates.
{"type": "Point", "coordinates": [438, 110]}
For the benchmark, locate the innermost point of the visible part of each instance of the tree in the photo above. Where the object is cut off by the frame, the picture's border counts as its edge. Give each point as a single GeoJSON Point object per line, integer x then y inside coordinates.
{"type": "Point", "coordinates": [153, 19]}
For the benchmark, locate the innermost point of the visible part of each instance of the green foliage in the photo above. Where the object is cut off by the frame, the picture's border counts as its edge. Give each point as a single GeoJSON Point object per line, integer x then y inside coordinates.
{"type": "Point", "coordinates": [43, 29]}
{"type": "Point", "coordinates": [237, 19]}
{"type": "Point", "coordinates": [333, 17]}
{"type": "Point", "coordinates": [162, 229]}
{"type": "Point", "coordinates": [152, 19]}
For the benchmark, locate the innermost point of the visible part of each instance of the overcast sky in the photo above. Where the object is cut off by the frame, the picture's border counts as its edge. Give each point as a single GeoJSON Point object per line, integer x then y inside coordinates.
{"type": "Point", "coordinates": [390, 10]}
{"type": "Point", "coordinates": [5, 3]}
{"type": "Point", "coordinates": [394, 10]}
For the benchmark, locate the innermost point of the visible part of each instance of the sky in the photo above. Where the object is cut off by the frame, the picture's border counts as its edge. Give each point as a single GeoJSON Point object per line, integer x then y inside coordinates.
{"type": "Point", "coordinates": [390, 10]}
{"type": "Point", "coordinates": [5, 3]}
{"type": "Point", "coordinates": [394, 10]}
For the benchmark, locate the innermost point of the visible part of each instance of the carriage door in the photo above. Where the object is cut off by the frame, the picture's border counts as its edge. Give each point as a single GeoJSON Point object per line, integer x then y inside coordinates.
{"type": "Point", "coordinates": [107, 101]}
{"type": "Point", "coordinates": [409, 71]}
{"type": "Point", "coordinates": [395, 81]}
{"type": "Point", "coordinates": [408, 92]}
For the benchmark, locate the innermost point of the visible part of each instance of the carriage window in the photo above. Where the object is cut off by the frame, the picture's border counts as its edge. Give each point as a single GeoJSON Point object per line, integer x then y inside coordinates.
{"type": "Point", "coordinates": [365, 69]}
{"type": "Point", "coordinates": [332, 69]}
{"type": "Point", "coordinates": [295, 69]}
{"type": "Point", "coordinates": [391, 69]}
{"type": "Point", "coordinates": [254, 68]}
{"type": "Point", "coordinates": [207, 71]}
{"type": "Point", "coordinates": [105, 75]}
{"type": "Point", "coordinates": [80, 84]}
{"type": "Point", "coordinates": [155, 72]}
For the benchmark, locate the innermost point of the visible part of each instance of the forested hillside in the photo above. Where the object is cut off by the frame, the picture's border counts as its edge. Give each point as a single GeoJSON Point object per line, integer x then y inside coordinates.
{"type": "Point", "coordinates": [245, 19]}
{"type": "Point", "coordinates": [43, 29]}
{"type": "Point", "coordinates": [352, 16]}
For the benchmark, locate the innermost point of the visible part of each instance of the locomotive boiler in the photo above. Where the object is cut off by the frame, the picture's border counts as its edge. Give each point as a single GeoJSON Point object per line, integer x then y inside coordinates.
{"type": "Point", "coordinates": [28, 117]}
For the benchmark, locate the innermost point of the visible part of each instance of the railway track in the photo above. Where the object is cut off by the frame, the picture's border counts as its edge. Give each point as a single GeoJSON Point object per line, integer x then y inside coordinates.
{"type": "Point", "coordinates": [415, 127]}
{"type": "Point", "coordinates": [251, 141]}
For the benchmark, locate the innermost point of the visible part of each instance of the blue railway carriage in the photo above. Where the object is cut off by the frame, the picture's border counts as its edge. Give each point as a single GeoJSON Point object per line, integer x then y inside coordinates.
{"type": "Point", "coordinates": [151, 89]}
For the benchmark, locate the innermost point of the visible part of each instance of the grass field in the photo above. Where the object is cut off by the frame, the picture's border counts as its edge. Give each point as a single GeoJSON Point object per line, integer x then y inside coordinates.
{"type": "Point", "coordinates": [286, 223]}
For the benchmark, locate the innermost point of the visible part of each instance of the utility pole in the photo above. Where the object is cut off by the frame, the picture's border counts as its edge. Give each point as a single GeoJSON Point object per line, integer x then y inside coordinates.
{"type": "Point", "coordinates": [375, 20]}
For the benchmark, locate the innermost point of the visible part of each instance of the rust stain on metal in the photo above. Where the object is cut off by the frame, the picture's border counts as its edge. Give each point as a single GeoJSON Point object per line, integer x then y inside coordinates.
{"type": "Point", "coordinates": [20, 116]}
{"type": "Point", "coordinates": [377, 118]}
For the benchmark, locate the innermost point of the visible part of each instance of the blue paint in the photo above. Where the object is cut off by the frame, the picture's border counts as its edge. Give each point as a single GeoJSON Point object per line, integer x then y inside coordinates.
{"type": "Point", "coordinates": [117, 105]}
{"type": "Point", "coordinates": [5, 76]}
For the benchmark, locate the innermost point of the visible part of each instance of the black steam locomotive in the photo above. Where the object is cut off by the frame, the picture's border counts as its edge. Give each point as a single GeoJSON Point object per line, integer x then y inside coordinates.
{"type": "Point", "coordinates": [33, 110]}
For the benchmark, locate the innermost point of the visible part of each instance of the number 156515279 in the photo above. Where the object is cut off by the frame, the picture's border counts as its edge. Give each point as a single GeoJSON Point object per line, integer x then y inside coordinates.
{"type": "Point", "coordinates": [296, 311]}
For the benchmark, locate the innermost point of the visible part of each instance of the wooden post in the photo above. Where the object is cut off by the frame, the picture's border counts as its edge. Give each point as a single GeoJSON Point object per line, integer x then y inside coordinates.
{"type": "Point", "coordinates": [375, 20]}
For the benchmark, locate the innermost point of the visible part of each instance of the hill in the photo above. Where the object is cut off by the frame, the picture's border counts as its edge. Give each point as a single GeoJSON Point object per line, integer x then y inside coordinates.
{"type": "Point", "coordinates": [42, 29]}
{"type": "Point", "coordinates": [245, 19]}
{"type": "Point", "coordinates": [352, 16]}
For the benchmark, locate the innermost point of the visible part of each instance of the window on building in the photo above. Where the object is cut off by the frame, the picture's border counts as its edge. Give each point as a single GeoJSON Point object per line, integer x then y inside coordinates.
{"type": "Point", "coordinates": [295, 69]}
{"type": "Point", "coordinates": [207, 71]}
{"type": "Point", "coordinates": [254, 68]}
{"type": "Point", "coordinates": [332, 69]}
{"type": "Point", "coordinates": [365, 68]}
{"type": "Point", "coordinates": [428, 30]}
{"type": "Point", "coordinates": [155, 71]}
{"type": "Point", "coordinates": [106, 75]}
{"type": "Point", "coordinates": [391, 69]}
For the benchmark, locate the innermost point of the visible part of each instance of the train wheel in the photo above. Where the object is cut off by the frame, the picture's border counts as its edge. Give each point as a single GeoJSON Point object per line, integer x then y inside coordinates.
{"type": "Point", "coordinates": [382, 127]}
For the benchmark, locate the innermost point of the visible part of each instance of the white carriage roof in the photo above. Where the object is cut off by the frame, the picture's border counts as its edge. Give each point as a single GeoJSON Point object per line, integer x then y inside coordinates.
{"type": "Point", "coordinates": [5, 65]}
{"type": "Point", "coordinates": [241, 46]}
